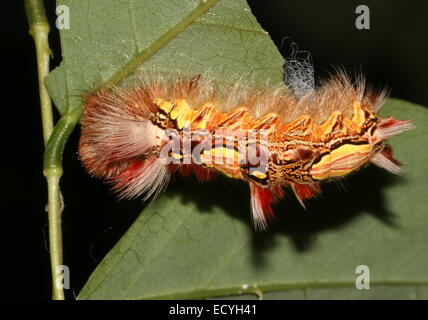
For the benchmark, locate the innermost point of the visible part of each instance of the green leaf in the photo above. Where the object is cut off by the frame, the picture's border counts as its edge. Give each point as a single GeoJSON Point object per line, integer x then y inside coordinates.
{"type": "Point", "coordinates": [109, 41]}
{"type": "Point", "coordinates": [197, 240]}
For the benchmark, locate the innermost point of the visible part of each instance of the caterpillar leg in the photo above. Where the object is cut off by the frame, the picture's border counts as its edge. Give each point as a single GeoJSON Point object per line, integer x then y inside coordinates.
{"type": "Point", "coordinates": [261, 203]}
{"type": "Point", "coordinates": [305, 191]}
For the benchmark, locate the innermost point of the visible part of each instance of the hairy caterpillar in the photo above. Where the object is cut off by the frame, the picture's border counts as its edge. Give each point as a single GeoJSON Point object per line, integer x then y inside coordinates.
{"type": "Point", "coordinates": [268, 137]}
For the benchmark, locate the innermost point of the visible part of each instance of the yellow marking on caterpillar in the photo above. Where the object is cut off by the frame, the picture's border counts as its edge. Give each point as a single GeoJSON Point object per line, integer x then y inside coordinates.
{"type": "Point", "coordinates": [341, 161]}
{"type": "Point", "coordinates": [177, 156]}
{"type": "Point", "coordinates": [164, 105]}
{"type": "Point", "coordinates": [222, 159]}
{"type": "Point", "coordinates": [179, 110]}
{"type": "Point", "coordinates": [259, 174]}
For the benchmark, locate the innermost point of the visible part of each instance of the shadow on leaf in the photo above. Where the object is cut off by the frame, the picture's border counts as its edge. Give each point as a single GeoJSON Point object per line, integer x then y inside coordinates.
{"type": "Point", "coordinates": [337, 205]}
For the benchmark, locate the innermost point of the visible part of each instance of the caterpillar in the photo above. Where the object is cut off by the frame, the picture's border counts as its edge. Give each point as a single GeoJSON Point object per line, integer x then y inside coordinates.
{"type": "Point", "coordinates": [268, 137]}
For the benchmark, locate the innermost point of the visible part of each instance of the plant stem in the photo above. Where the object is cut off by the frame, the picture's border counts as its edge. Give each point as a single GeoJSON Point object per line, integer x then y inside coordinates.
{"type": "Point", "coordinates": [39, 30]}
{"type": "Point", "coordinates": [53, 176]}
{"type": "Point", "coordinates": [53, 172]}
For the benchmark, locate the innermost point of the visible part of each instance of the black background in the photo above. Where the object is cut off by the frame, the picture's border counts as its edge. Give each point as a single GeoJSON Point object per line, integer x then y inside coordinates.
{"type": "Point", "coordinates": [393, 53]}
